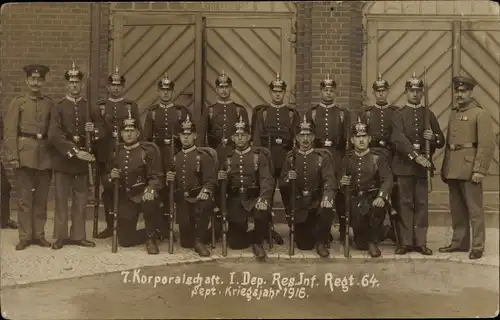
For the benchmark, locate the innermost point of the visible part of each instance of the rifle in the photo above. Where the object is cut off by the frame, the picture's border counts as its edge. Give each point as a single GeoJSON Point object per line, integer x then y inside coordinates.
{"type": "Point", "coordinates": [271, 222]}
{"type": "Point", "coordinates": [291, 246]}
{"type": "Point", "coordinates": [96, 201]}
{"type": "Point", "coordinates": [427, 126]}
{"type": "Point", "coordinates": [116, 194]}
{"type": "Point", "coordinates": [223, 210]}
{"type": "Point", "coordinates": [347, 196]}
{"type": "Point", "coordinates": [171, 208]}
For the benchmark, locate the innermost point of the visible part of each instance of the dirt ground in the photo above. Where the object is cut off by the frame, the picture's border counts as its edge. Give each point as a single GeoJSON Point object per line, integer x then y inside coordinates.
{"type": "Point", "coordinates": [248, 289]}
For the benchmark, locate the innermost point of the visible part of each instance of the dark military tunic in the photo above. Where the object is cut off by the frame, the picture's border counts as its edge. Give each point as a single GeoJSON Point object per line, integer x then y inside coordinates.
{"type": "Point", "coordinates": [379, 121]}
{"type": "Point", "coordinates": [5, 185]}
{"type": "Point", "coordinates": [371, 177]}
{"type": "Point", "coordinates": [315, 182]}
{"type": "Point", "coordinates": [25, 140]}
{"type": "Point", "coordinates": [140, 168]}
{"type": "Point", "coordinates": [274, 129]}
{"type": "Point", "coordinates": [469, 149]}
{"type": "Point", "coordinates": [195, 173]}
{"type": "Point", "coordinates": [408, 141]}
{"type": "Point", "coordinates": [217, 126]}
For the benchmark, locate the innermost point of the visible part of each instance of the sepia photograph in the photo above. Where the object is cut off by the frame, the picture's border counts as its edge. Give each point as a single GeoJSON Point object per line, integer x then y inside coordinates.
{"type": "Point", "coordinates": [250, 159]}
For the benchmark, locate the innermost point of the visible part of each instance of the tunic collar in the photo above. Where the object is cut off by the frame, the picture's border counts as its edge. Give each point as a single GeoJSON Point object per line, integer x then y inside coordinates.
{"type": "Point", "coordinates": [132, 146]}
{"type": "Point", "coordinates": [166, 106]}
{"type": "Point", "coordinates": [362, 154]}
{"type": "Point", "coordinates": [414, 106]}
{"type": "Point", "coordinates": [39, 96]}
{"type": "Point", "coordinates": [383, 106]}
{"type": "Point", "coordinates": [244, 151]}
{"type": "Point", "coordinates": [327, 106]}
{"type": "Point", "coordinates": [74, 100]}
{"type": "Point", "coordinates": [116, 100]}
{"type": "Point", "coordinates": [224, 102]}
{"type": "Point", "coordinates": [305, 153]}
{"type": "Point", "coordinates": [277, 106]}
{"type": "Point", "coordinates": [188, 150]}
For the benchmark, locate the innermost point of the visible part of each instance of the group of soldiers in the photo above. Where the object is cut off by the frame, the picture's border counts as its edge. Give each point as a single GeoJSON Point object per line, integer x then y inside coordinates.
{"type": "Point", "coordinates": [213, 177]}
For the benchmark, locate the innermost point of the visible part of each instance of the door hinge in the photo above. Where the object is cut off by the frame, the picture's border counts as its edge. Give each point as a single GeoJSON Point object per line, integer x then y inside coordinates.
{"type": "Point", "coordinates": [292, 36]}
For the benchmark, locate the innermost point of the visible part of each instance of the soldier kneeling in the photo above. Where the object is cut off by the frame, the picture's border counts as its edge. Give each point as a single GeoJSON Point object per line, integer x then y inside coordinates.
{"type": "Point", "coordinates": [194, 184]}
{"type": "Point", "coordinates": [249, 191]}
{"type": "Point", "coordinates": [137, 166]}
{"type": "Point", "coordinates": [369, 179]}
{"type": "Point", "coordinates": [316, 188]}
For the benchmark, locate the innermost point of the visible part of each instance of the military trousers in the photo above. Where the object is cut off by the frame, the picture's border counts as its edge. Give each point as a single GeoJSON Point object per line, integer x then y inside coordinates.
{"type": "Point", "coordinates": [5, 189]}
{"type": "Point", "coordinates": [315, 229]}
{"type": "Point", "coordinates": [238, 236]}
{"type": "Point", "coordinates": [466, 206]}
{"type": "Point", "coordinates": [193, 221]}
{"type": "Point", "coordinates": [367, 226]}
{"type": "Point", "coordinates": [128, 216]}
{"type": "Point", "coordinates": [32, 190]}
{"type": "Point", "coordinates": [106, 195]}
{"type": "Point", "coordinates": [413, 206]}
{"type": "Point", "coordinates": [74, 187]}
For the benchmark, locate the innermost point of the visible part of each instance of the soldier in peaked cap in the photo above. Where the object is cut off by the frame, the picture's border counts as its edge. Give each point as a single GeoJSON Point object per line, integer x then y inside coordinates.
{"type": "Point", "coordinates": [316, 188]}
{"type": "Point", "coordinates": [378, 118]}
{"type": "Point", "coordinates": [68, 124]}
{"type": "Point", "coordinates": [249, 190]}
{"type": "Point", "coordinates": [194, 181]}
{"type": "Point", "coordinates": [370, 180]}
{"type": "Point", "coordinates": [162, 127]}
{"type": "Point", "coordinates": [113, 111]}
{"type": "Point", "coordinates": [26, 148]}
{"type": "Point", "coordinates": [468, 155]}
{"type": "Point", "coordinates": [331, 125]}
{"type": "Point", "coordinates": [409, 165]}
{"type": "Point", "coordinates": [137, 165]}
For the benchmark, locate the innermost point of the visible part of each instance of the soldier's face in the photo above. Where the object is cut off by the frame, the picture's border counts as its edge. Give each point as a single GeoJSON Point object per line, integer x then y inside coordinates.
{"type": "Point", "coordinates": [328, 94]}
{"type": "Point", "coordinates": [361, 143]}
{"type": "Point", "coordinates": [463, 95]}
{"type": "Point", "coordinates": [414, 95]}
{"type": "Point", "coordinates": [130, 135]}
{"type": "Point", "coordinates": [115, 90]}
{"type": "Point", "coordinates": [35, 83]}
{"type": "Point", "coordinates": [224, 92]}
{"type": "Point", "coordinates": [187, 139]}
{"type": "Point", "coordinates": [241, 140]}
{"type": "Point", "coordinates": [74, 88]}
{"type": "Point", "coordinates": [277, 96]}
{"type": "Point", "coordinates": [165, 94]}
{"type": "Point", "coordinates": [305, 141]}
{"type": "Point", "coordinates": [381, 95]}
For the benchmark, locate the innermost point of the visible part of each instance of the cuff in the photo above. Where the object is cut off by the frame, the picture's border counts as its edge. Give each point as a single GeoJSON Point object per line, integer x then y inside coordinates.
{"type": "Point", "coordinates": [383, 195]}
{"type": "Point", "coordinates": [96, 134]}
{"type": "Point", "coordinates": [413, 155]}
{"type": "Point", "coordinates": [72, 152]}
{"type": "Point", "coordinates": [207, 191]}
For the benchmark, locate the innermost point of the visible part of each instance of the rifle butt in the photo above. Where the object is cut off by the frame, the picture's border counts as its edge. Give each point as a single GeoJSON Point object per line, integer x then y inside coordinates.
{"type": "Point", "coordinates": [114, 243]}
{"type": "Point", "coordinates": [291, 248]}
{"type": "Point", "coordinates": [171, 221]}
{"type": "Point", "coordinates": [96, 204]}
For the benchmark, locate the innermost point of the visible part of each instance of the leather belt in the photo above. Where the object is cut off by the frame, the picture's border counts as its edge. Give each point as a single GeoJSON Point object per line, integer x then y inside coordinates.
{"type": "Point", "coordinates": [454, 147]}
{"type": "Point", "coordinates": [76, 138]}
{"type": "Point", "coordinates": [416, 146]}
{"type": "Point", "coordinates": [36, 136]}
{"type": "Point", "coordinates": [162, 142]}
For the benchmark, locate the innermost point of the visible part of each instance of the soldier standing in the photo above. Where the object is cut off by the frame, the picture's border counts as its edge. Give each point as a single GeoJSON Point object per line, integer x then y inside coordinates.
{"type": "Point", "coordinates": [469, 151]}
{"type": "Point", "coordinates": [378, 119]}
{"type": "Point", "coordinates": [6, 187]}
{"type": "Point", "coordinates": [27, 150]}
{"type": "Point", "coordinates": [409, 165]}
{"type": "Point", "coordinates": [195, 185]}
{"type": "Point", "coordinates": [249, 190]}
{"type": "Point", "coordinates": [331, 124]}
{"type": "Point", "coordinates": [137, 165]}
{"type": "Point", "coordinates": [68, 124]}
{"type": "Point", "coordinates": [316, 187]}
{"type": "Point", "coordinates": [162, 127]}
{"type": "Point", "coordinates": [113, 111]}
{"type": "Point", "coordinates": [369, 176]}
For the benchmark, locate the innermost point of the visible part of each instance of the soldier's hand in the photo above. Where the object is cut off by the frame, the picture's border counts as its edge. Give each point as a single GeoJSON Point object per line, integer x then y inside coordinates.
{"type": "Point", "coordinates": [261, 205]}
{"type": "Point", "coordinates": [345, 181]}
{"type": "Point", "coordinates": [89, 127]}
{"type": "Point", "coordinates": [378, 202]}
{"type": "Point", "coordinates": [115, 173]}
{"type": "Point", "coordinates": [325, 203]}
{"type": "Point", "coordinates": [149, 194]}
{"type": "Point", "coordinates": [292, 175]}
{"type": "Point", "coordinates": [429, 135]}
{"type": "Point", "coordinates": [170, 176]}
{"type": "Point", "coordinates": [477, 177]}
{"type": "Point", "coordinates": [423, 161]}
{"type": "Point", "coordinates": [85, 156]}
{"type": "Point", "coordinates": [222, 175]}
{"type": "Point", "coordinates": [14, 164]}
{"type": "Point", "coordinates": [202, 196]}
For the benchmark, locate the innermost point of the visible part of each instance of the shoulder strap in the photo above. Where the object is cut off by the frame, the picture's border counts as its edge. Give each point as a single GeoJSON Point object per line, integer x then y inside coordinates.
{"type": "Point", "coordinates": [341, 116]}
{"type": "Point", "coordinates": [256, 161]}
{"type": "Point", "coordinates": [367, 113]}
{"type": "Point", "coordinates": [210, 112]}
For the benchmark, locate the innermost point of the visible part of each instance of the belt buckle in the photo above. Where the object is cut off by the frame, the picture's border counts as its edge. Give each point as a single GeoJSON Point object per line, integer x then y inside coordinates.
{"type": "Point", "coordinates": [416, 146]}
{"type": "Point", "coordinates": [382, 143]}
{"type": "Point", "coordinates": [76, 139]}
{"type": "Point", "coordinates": [114, 134]}
{"type": "Point", "coordinates": [241, 190]}
{"type": "Point", "coordinates": [224, 142]}
{"type": "Point", "coordinates": [305, 193]}
{"type": "Point", "coordinates": [39, 136]}
{"type": "Point", "coordinates": [278, 141]}
{"type": "Point", "coordinates": [328, 143]}
{"type": "Point", "coordinates": [167, 141]}
{"type": "Point", "coordinates": [360, 193]}
{"type": "Point", "coordinates": [186, 194]}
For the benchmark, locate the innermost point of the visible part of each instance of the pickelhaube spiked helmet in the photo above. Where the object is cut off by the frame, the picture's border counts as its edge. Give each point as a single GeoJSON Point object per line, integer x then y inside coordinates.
{"type": "Point", "coordinates": [278, 84]}
{"type": "Point", "coordinates": [74, 73]}
{"type": "Point", "coordinates": [305, 126]}
{"type": "Point", "coordinates": [380, 84]}
{"type": "Point", "coordinates": [116, 78]}
{"type": "Point", "coordinates": [414, 83]}
{"type": "Point", "coordinates": [166, 83]}
{"type": "Point", "coordinates": [223, 80]}
{"type": "Point", "coordinates": [360, 128]}
{"type": "Point", "coordinates": [241, 126]}
{"type": "Point", "coordinates": [188, 126]}
{"type": "Point", "coordinates": [328, 83]}
{"type": "Point", "coordinates": [36, 70]}
{"type": "Point", "coordinates": [463, 81]}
